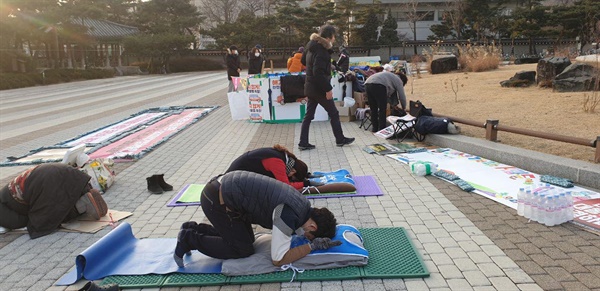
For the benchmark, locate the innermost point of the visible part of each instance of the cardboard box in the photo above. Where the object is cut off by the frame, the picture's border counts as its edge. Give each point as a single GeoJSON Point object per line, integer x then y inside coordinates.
{"type": "Point", "coordinates": [360, 99]}
{"type": "Point", "coordinates": [346, 113]}
{"type": "Point", "coordinates": [347, 118]}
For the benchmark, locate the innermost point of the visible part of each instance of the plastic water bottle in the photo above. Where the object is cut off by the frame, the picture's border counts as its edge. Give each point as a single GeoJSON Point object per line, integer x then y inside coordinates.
{"type": "Point", "coordinates": [528, 197]}
{"type": "Point", "coordinates": [420, 169]}
{"type": "Point", "coordinates": [535, 207]}
{"type": "Point", "coordinates": [563, 205]}
{"type": "Point", "coordinates": [541, 206]}
{"type": "Point", "coordinates": [550, 211]}
{"type": "Point", "coordinates": [521, 201]}
{"type": "Point", "coordinates": [570, 214]}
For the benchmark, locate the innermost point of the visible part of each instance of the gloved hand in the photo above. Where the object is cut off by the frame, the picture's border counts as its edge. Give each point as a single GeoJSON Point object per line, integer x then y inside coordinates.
{"type": "Point", "coordinates": [323, 243]}
{"type": "Point", "coordinates": [313, 183]}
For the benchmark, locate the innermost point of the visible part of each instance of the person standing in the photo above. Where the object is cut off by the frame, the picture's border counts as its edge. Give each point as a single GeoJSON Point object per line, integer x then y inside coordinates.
{"type": "Point", "coordinates": [381, 88]}
{"type": "Point", "coordinates": [233, 66]}
{"type": "Point", "coordinates": [238, 199]}
{"type": "Point", "coordinates": [255, 61]}
{"type": "Point", "coordinates": [317, 87]}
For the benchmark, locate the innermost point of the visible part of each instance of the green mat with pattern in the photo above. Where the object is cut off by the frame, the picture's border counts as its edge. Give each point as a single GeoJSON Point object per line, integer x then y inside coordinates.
{"type": "Point", "coordinates": [391, 255]}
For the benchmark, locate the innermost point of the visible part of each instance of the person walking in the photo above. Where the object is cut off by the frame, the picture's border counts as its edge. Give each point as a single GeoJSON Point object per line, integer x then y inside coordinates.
{"type": "Point", "coordinates": [381, 88]}
{"type": "Point", "coordinates": [233, 66]}
{"type": "Point", "coordinates": [317, 87]}
{"type": "Point", "coordinates": [238, 199]}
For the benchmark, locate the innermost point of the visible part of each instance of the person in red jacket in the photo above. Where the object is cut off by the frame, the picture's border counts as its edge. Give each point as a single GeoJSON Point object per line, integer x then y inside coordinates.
{"type": "Point", "coordinates": [276, 162]}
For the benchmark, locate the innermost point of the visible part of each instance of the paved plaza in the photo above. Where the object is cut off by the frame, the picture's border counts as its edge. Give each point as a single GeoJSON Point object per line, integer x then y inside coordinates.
{"type": "Point", "coordinates": [468, 242]}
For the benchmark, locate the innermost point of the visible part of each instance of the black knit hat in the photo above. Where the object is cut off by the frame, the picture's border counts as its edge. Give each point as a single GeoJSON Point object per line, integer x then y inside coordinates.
{"type": "Point", "coordinates": [231, 48]}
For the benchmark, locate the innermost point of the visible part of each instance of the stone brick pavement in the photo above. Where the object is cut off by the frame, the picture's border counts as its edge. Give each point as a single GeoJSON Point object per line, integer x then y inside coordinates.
{"type": "Point", "coordinates": [563, 257]}
{"type": "Point", "coordinates": [464, 240]}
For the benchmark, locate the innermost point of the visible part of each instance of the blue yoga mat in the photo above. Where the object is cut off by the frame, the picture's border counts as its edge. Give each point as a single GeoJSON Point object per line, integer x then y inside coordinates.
{"type": "Point", "coordinates": [120, 253]}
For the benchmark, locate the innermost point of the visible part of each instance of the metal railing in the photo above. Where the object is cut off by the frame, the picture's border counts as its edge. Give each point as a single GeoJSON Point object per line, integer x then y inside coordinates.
{"type": "Point", "coordinates": [492, 127]}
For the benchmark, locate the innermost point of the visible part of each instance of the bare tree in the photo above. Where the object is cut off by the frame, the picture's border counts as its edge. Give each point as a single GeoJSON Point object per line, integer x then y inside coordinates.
{"type": "Point", "coordinates": [415, 13]}
{"type": "Point", "coordinates": [454, 15]}
{"type": "Point", "coordinates": [219, 11]}
{"type": "Point", "coordinates": [256, 7]}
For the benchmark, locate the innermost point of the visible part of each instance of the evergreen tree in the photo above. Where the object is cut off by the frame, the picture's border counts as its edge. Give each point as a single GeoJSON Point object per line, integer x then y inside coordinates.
{"type": "Point", "coordinates": [480, 17]}
{"type": "Point", "coordinates": [290, 17]}
{"type": "Point", "coordinates": [167, 26]}
{"type": "Point", "coordinates": [441, 31]}
{"type": "Point", "coordinates": [578, 20]}
{"type": "Point", "coordinates": [343, 22]}
{"type": "Point", "coordinates": [389, 34]}
{"type": "Point", "coordinates": [367, 34]}
{"type": "Point", "coordinates": [527, 23]}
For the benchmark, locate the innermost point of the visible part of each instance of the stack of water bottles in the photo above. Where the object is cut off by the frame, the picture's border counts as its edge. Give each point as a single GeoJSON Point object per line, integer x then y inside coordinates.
{"type": "Point", "coordinates": [545, 204]}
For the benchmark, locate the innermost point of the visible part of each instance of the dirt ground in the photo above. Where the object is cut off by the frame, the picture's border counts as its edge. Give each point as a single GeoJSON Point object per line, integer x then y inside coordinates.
{"type": "Point", "coordinates": [480, 97]}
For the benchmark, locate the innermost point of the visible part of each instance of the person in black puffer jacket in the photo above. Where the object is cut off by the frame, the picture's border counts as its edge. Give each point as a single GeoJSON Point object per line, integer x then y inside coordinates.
{"type": "Point", "coordinates": [238, 199]}
{"type": "Point", "coordinates": [318, 89]}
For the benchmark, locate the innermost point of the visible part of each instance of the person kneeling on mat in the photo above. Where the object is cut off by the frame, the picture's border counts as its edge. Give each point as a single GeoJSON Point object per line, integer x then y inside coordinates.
{"type": "Point", "coordinates": [234, 201]}
{"type": "Point", "coordinates": [43, 197]}
{"type": "Point", "coordinates": [276, 162]}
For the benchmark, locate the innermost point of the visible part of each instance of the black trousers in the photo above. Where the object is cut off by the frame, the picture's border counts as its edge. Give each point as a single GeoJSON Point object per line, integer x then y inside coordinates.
{"type": "Point", "coordinates": [235, 235]}
{"type": "Point", "coordinates": [377, 96]}
{"type": "Point", "coordinates": [334, 119]}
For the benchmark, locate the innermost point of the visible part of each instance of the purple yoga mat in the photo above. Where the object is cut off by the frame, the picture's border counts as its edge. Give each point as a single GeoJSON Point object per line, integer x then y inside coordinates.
{"type": "Point", "coordinates": [365, 186]}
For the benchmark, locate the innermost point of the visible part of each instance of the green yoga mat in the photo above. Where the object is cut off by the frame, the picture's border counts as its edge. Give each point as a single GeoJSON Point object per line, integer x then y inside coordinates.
{"type": "Point", "coordinates": [391, 255]}
{"type": "Point", "coordinates": [191, 194]}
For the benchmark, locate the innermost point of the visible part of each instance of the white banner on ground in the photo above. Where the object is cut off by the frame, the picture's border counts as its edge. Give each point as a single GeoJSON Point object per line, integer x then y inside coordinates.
{"type": "Point", "coordinates": [491, 179]}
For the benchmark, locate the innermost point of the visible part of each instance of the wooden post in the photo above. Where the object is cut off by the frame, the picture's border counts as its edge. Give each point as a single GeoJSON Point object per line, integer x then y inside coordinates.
{"type": "Point", "coordinates": [597, 144]}
{"type": "Point", "coordinates": [491, 132]}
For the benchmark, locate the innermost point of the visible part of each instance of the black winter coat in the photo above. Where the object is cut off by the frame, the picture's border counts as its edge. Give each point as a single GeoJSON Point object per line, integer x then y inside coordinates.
{"type": "Point", "coordinates": [233, 64]}
{"type": "Point", "coordinates": [317, 59]}
{"type": "Point", "coordinates": [255, 64]}
{"type": "Point", "coordinates": [255, 196]}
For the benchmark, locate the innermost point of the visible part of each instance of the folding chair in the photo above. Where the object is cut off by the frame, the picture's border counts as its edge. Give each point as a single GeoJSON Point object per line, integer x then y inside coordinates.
{"type": "Point", "coordinates": [364, 115]}
{"type": "Point", "coordinates": [264, 69]}
{"type": "Point", "coordinates": [404, 126]}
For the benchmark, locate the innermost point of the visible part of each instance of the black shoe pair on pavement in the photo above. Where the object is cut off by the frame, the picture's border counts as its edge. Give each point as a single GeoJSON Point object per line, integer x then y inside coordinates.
{"type": "Point", "coordinates": [157, 184]}
{"type": "Point", "coordinates": [346, 141]}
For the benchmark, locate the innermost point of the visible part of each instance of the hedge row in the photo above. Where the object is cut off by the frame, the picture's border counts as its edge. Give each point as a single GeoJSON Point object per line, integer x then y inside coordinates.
{"type": "Point", "coordinates": [183, 64]}
{"type": "Point", "coordinates": [51, 76]}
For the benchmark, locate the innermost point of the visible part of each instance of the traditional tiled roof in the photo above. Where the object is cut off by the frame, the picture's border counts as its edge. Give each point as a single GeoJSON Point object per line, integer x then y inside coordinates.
{"type": "Point", "coordinates": [104, 29]}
